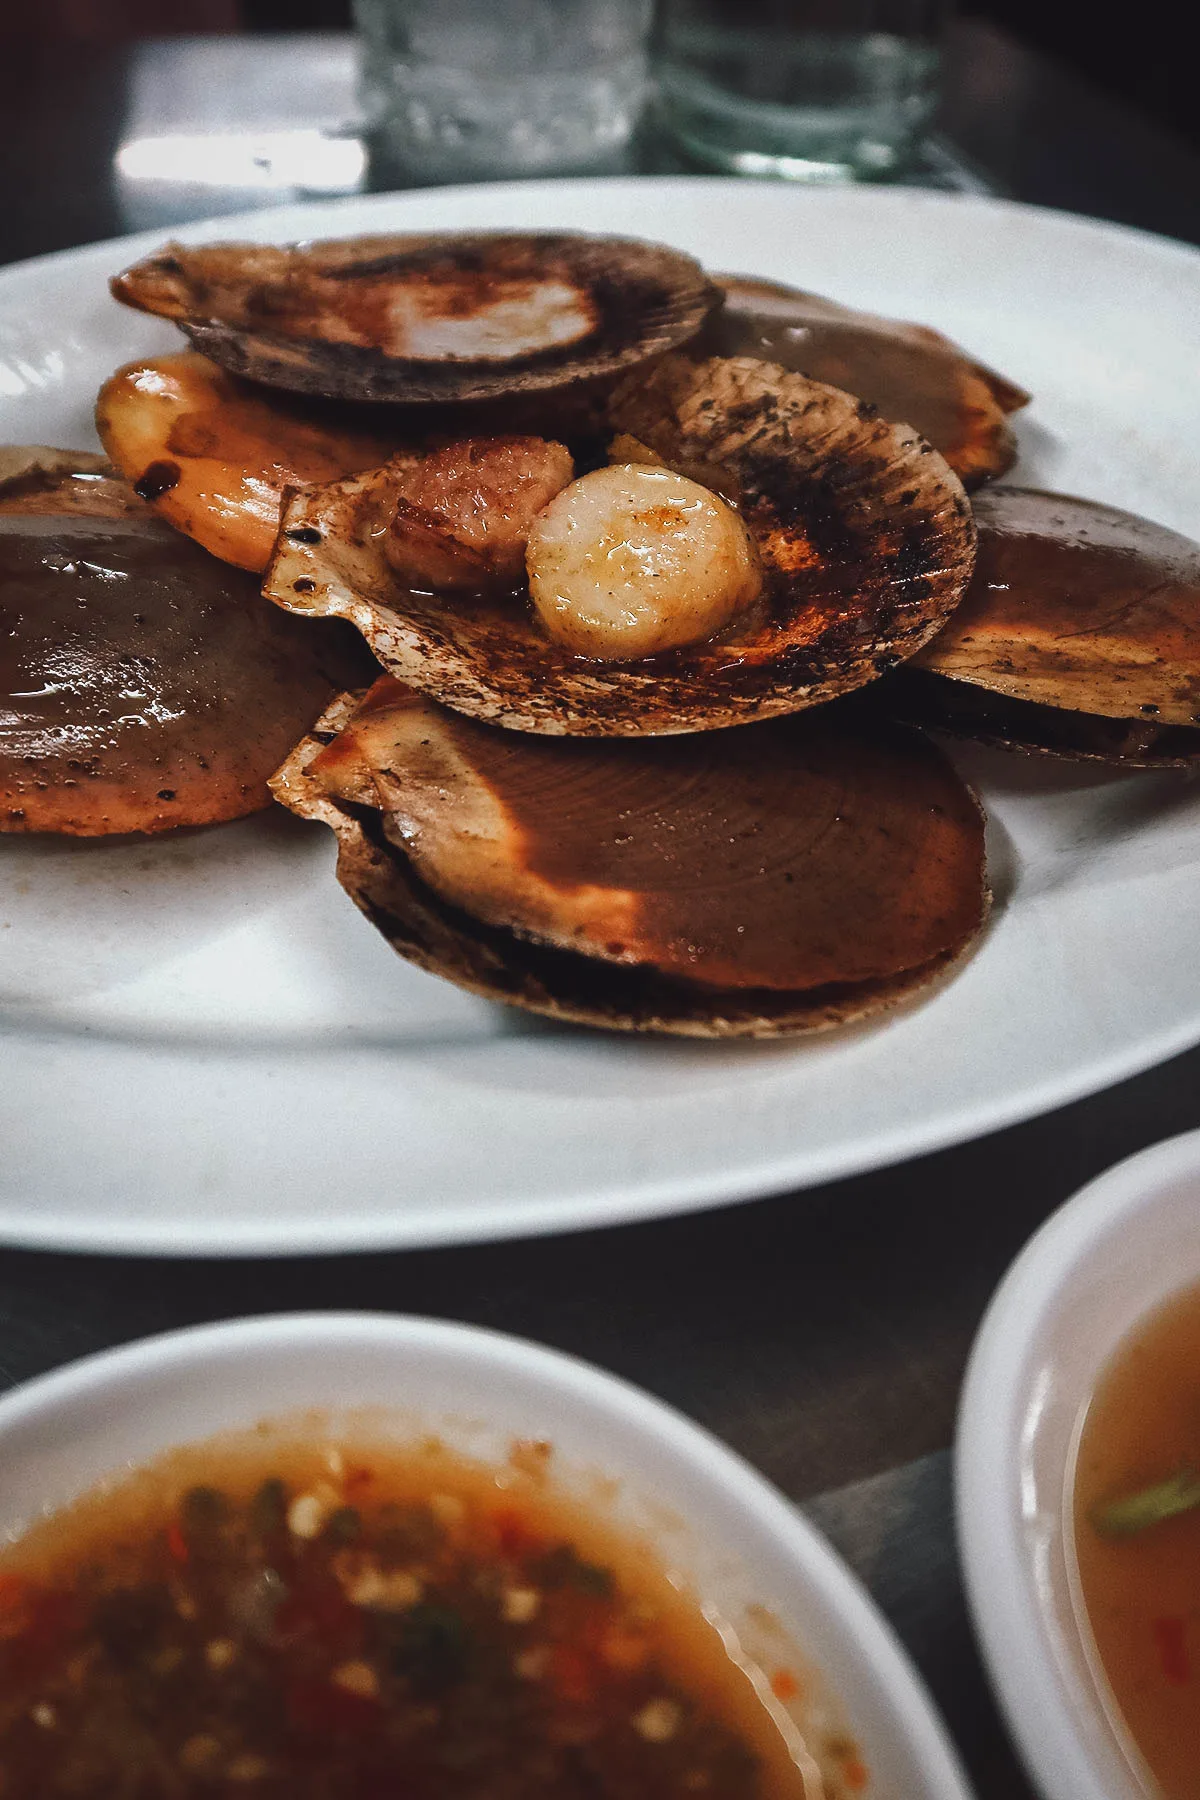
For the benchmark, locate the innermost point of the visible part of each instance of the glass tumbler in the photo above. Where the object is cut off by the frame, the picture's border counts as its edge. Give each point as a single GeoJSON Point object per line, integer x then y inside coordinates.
{"type": "Point", "coordinates": [458, 89]}
{"type": "Point", "coordinates": [811, 90]}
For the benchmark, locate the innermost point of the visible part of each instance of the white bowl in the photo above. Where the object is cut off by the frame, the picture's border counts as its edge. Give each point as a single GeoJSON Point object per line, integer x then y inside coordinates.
{"type": "Point", "coordinates": [1126, 1242]}
{"type": "Point", "coordinates": [734, 1540]}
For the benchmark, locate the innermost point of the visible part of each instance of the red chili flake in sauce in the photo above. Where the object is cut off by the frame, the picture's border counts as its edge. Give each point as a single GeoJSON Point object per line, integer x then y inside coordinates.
{"type": "Point", "coordinates": [1170, 1640]}
{"type": "Point", "coordinates": [276, 1638]}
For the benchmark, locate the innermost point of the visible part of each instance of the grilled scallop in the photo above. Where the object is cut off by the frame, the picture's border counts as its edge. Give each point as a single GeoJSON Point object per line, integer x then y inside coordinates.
{"type": "Point", "coordinates": [463, 513]}
{"type": "Point", "coordinates": [1079, 636]}
{"type": "Point", "coordinates": [437, 317]}
{"type": "Point", "coordinates": [784, 878]}
{"type": "Point", "coordinates": [913, 374]}
{"type": "Point", "coordinates": [634, 560]}
{"type": "Point", "coordinates": [143, 684]}
{"type": "Point", "coordinates": [858, 542]}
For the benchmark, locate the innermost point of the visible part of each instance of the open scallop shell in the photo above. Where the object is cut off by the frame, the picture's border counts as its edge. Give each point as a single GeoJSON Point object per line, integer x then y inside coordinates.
{"type": "Point", "coordinates": [143, 684]}
{"type": "Point", "coordinates": [433, 317]}
{"type": "Point", "coordinates": [913, 374]}
{"type": "Point", "coordinates": [1079, 635]}
{"type": "Point", "coordinates": [856, 851]}
{"type": "Point", "coordinates": [866, 538]}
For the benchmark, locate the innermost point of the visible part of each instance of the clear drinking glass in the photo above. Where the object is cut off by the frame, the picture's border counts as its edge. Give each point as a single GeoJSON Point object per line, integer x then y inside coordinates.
{"type": "Point", "coordinates": [814, 90]}
{"type": "Point", "coordinates": [463, 88]}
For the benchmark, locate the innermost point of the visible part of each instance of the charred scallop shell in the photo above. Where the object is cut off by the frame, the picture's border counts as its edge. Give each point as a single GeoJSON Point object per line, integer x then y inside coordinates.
{"type": "Point", "coordinates": [792, 877]}
{"type": "Point", "coordinates": [143, 684]}
{"type": "Point", "coordinates": [1079, 636]}
{"type": "Point", "coordinates": [865, 537]}
{"type": "Point", "coordinates": [913, 374]}
{"type": "Point", "coordinates": [423, 318]}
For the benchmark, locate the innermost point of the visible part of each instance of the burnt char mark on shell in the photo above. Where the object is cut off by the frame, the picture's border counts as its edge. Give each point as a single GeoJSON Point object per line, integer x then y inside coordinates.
{"type": "Point", "coordinates": [910, 374]}
{"type": "Point", "coordinates": [1078, 606]}
{"type": "Point", "coordinates": [856, 578]}
{"type": "Point", "coordinates": [158, 479]}
{"type": "Point", "coordinates": [144, 685]}
{"type": "Point", "coordinates": [500, 965]}
{"type": "Point", "coordinates": [643, 299]}
{"type": "Point", "coordinates": [919, 697]}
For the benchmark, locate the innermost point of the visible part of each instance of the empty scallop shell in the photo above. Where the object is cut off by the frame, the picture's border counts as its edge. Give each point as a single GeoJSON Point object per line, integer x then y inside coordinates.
{"type": "Point", "coordinates": [788, 878]}
{"type": "Point", "coordinates": [432, 317]}
{"type": "Point", "coordinates": [143, 684]}
{"type": "Point", "coordinates": [1079, 635]}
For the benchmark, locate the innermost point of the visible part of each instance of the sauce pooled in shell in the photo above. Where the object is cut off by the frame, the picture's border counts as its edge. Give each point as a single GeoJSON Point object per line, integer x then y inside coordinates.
{"type": "Point", "coordinates": [1079, 634]}
{"type": "Point", "coordinates": [143, 684]}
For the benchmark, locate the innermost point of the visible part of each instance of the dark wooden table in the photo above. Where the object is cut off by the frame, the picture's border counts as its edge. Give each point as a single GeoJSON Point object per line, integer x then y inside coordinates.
{"type": "Point", "coordinates": [823, 1335]}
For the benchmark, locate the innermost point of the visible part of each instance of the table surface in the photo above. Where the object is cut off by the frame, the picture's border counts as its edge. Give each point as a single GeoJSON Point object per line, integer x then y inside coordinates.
{"type": "Point", "coordinates": [822, 1335]}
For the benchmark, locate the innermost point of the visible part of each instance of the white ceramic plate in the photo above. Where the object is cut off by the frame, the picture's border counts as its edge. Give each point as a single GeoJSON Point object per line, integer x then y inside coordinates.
{"type": "Point", "coordinates": [732, 1540]}
{"type": "Point", "coordinates": [208, 1049]}
{"type": "Point", "coordinates": [1122, 1246]}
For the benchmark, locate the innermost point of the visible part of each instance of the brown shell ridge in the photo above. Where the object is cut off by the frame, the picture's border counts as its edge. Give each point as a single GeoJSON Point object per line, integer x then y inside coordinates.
{"type": "Point", "coordinates": [145, 685]}
{"type": "Point", "coordinates": [501, 967]}
{"type": "Point", "coordinates": [34, 478]}
{"type": "Point", "coordinates": [1077, 606]}
{"type": "Point", "coordinates": [1009, 396]}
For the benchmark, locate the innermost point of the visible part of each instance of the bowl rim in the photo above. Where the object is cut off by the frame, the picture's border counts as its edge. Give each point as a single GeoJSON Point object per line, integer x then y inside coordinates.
{"type": "Point", "coordinates": [885, 1663]}
{"type": "Point", "coordinates": [1003, 1592]}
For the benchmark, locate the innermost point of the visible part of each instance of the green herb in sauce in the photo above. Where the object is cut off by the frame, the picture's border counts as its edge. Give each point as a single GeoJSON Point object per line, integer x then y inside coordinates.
{"type": "Point", "coordinates": [1135, 1513]}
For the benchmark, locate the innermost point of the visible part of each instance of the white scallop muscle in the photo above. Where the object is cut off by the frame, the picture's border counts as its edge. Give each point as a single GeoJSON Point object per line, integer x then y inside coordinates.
{"type": "Point", "coordinates": [630, 561]}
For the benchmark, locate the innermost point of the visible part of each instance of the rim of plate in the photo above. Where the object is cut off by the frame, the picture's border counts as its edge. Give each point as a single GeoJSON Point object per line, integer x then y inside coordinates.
{"type": "Point", "coordinates": [820, 1569]}
{"type": "Point", "coordinates": [1020, 1647]}
{"type": "Point", "coordinates": [34, 1224]}
{"type": "Point", "coordinates": [833, 197]}
{"type": "Point", "coordinates": [443, 1225]}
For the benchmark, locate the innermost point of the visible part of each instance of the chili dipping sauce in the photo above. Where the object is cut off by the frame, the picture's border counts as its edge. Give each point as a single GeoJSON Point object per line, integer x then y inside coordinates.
{"type": "Point", "coordinates": [310, 1622]}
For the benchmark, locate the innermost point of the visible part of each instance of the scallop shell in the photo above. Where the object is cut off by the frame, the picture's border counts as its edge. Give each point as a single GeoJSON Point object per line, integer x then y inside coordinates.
{"type": "Point", "coordinates": [143, 685]}
{"type": "Point", "coordinates": [433, 317]}
{"type": "Point", "coordinates": [913, 374]}
{"type": "Point", "coordinates": [890, 850]}
{"type": "Point", "coordinates": [1079, 635]}
{"type": "Point", "coordinates": [866, 538]}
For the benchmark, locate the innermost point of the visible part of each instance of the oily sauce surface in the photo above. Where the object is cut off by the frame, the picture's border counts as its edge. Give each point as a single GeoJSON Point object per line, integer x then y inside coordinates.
{"type": "Point", "coordinates": [1078, 605]}
{"type": "Point", "coordinates": [314, 1622]}
{"type": "Point", "coordinates": [782, 856]}
{"type": "Point", "coordinates": [1142, 1591]}
{"type": "Point", "coordinates": [143, 684]}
